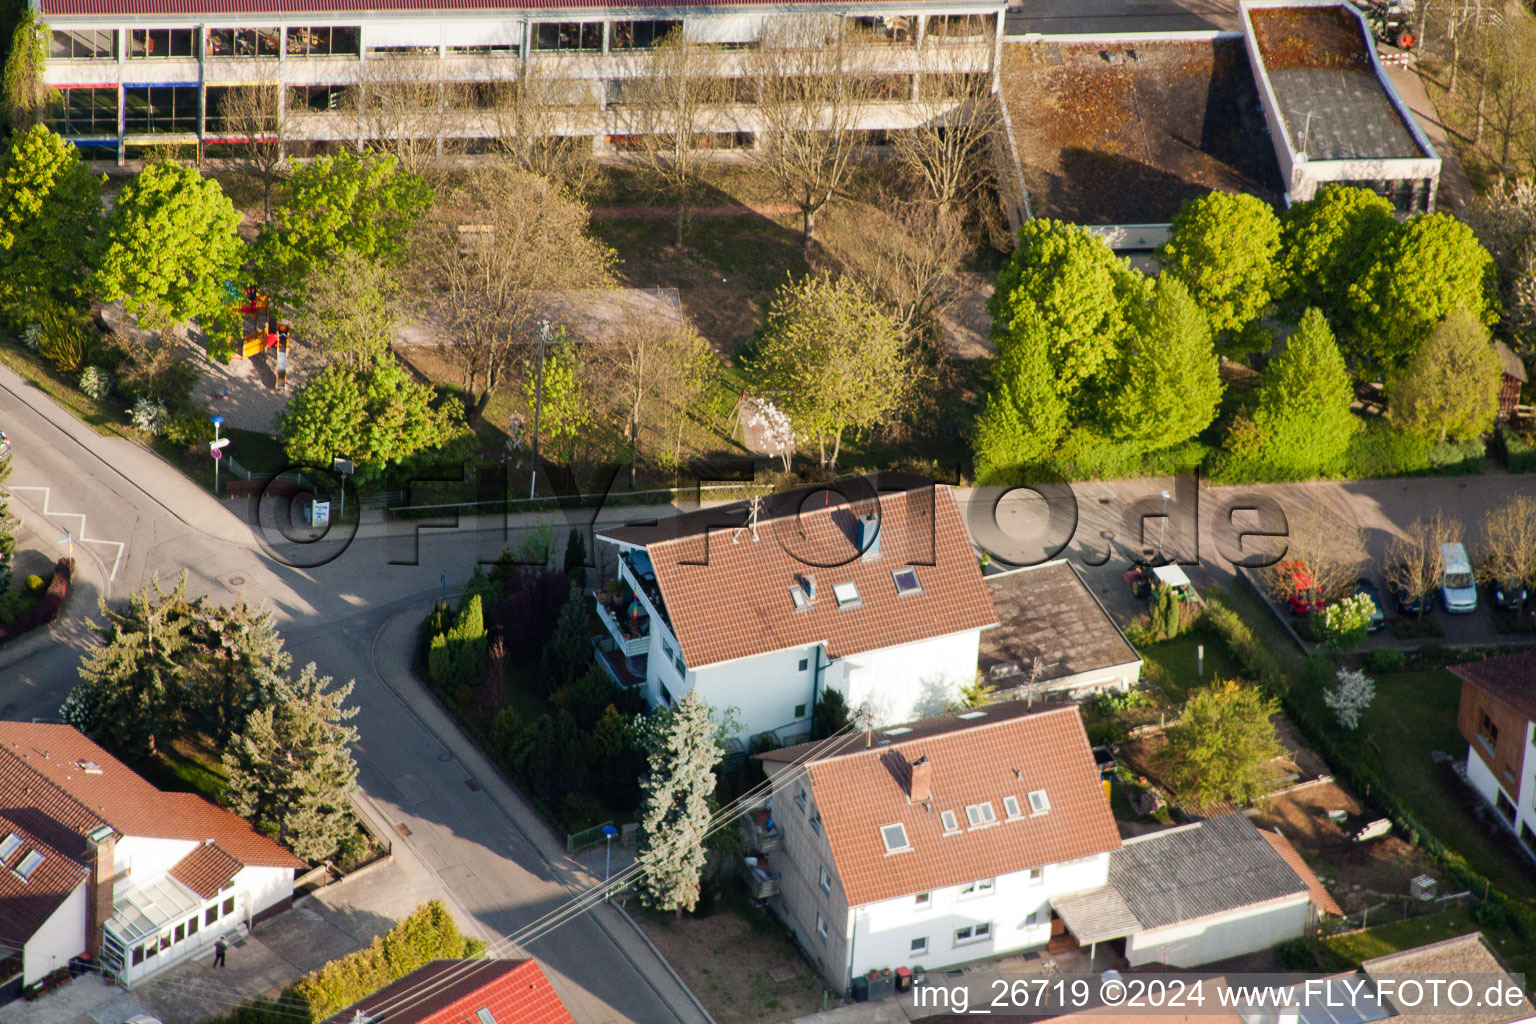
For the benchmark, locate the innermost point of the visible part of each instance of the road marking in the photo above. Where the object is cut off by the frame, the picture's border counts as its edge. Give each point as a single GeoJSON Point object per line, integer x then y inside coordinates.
{"type": "Point", "coordinates": [81, 536]}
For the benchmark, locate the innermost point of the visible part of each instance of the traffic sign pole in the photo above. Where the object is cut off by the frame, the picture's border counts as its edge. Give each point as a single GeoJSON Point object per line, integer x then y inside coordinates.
{"type": "Point", "coordinates": [214, 447]}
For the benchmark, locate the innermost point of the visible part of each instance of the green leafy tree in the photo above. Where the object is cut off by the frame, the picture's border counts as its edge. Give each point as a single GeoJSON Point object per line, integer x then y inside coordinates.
{"type": "Point", "coordinates": [563, 409]}
{"type": "Point", "coordinates": [50, 227]}
{"type": "Point", "coordinates": [1450, 385]}
{"type": "Point", "coordinates": [1301, 423]}
{"type": "Point", "coordinates": [358, 204]}
{"type": "Point", "coordinates": [1325, 244]}
{"type": "Point", "coordinates": [1025, 415]}
{"type": "Point", "coordinates": [348, 308]}
{"type": "Point", "coordinates": [8, 524]}
{"type": "Point", "coordinates": [25, 94]}
{"type": "Point", "coordinates": [834, 357]}
{"type": "Point", "coordinates": [457, 656]}
{"type": "Point", "coordinates": [1222, 745]}
{"type": "Point", "coordinates": [291, 767]}
{"type": "Point", "coordinates": [676, 816]}
{"type": "Point", "coordinates": [576, 559]}
{"type": "Point", "coordinates": [1171, 382]}
{"type": "Point", "coordinates": [376, 417]}
{"type": "Point", "coordinates": [171, 247]}
{"type": "Point", "coordinates": [1419, 272]}
{"type": "Point", "coordinates": [1223, 246]}
{"type": "Point", "coordinates": [1077, 286]}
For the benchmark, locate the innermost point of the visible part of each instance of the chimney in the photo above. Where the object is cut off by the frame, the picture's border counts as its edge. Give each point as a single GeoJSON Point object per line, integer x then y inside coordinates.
{"type": "Point", "coordinates": [920, 785]}
{"type": "Point", "coordinates": [869, 538]}
{"type": "Point", "coordinates": [102, 845]}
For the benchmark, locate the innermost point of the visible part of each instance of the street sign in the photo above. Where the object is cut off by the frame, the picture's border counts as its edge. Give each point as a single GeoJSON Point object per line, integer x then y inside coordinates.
{"type": "Point", "coordinates": [217, 454]}
{"type": "Point", "coordinates": [216, 445]}
{"type": "Point", "coordinates": [319, 513]}
{"type": "Point", "coordinates": [343, 466]}
{"type": "Point", "coordinates": [216, 420]}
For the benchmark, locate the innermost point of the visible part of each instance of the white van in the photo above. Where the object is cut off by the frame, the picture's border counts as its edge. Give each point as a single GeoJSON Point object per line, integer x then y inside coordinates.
{"type": "Point", "coordinates": [1458, 588]}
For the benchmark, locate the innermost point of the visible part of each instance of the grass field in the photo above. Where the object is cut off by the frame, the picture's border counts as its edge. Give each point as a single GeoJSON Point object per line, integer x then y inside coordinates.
{"type": "Point", "coordinates": [1421, 931]}
{"type": "Point", "coordinates": [1171, 668]}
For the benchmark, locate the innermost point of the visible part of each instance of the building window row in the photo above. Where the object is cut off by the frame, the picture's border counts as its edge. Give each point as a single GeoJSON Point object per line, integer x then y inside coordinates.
{"type": "Point", "coordinates": [160, 109]}
{"type": "Point", "coordinates": [83, 44]}
{"type": "Point", "coordinates": [84, 112]}
{"type": "Point", "coordinates": [172, 935]}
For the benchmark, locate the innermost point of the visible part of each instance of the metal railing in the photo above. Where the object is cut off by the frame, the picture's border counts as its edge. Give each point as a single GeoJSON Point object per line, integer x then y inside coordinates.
{"type": "Point", "coordinates": [586, 837]}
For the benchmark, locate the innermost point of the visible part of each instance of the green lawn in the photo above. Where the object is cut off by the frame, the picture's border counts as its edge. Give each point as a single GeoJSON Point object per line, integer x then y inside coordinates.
{"type": "Point", "coordinates": [1171, 667]}
{"type": "Point", "coordinates": [189, 765]}
{"type": "Point", "coordinates": [1420, 931]}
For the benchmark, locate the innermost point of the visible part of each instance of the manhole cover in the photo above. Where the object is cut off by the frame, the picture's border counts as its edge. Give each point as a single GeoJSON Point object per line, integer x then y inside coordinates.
{"type": "Point", "coordinates": [403, 829]}
{"type": "Point", "coordinates": [237, 581]}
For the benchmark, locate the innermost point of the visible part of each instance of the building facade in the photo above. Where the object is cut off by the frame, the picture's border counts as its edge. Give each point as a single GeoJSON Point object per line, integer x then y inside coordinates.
{"type": "Point", "coordinates": [1498, 707]}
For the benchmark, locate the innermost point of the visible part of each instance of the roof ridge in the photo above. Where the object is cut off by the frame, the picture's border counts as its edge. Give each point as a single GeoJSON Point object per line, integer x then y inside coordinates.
{"type": "Point", "coordinates": [60, 790]}
{"type": "Point", "coordinates": [969, 727]}
{"type": "Point", "coordinates": [795, 513]}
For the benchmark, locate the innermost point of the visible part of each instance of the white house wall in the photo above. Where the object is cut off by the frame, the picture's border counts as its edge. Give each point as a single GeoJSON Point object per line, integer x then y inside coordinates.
{"type": "Point", "coordinates": [1192, 943]}
{"type": "Point", "coordinates": [765, 690]}
{"type": "Point", "coordinates": [1482, 779]}
{"type": "Point", "coordinates": [263, 887]}
{"type": "Point", "coordinates": [143, 858]}
{"type": "Point", "coordinates": [60, 939]}
{"type": "Point", "coordinates": [899, 684]}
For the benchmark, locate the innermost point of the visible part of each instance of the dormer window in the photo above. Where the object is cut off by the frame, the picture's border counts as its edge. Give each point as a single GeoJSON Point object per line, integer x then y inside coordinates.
{"type": "Point", "coordinates": [981, 814]}
{"type": "Point", "coordinates": [1011, 807]}
{"type": "Point", "coordinates": [895, 838]}
{"type": "Point", "coordinates": [951, 821]}
{"type": "Point", "coordinates": [1039, 803]}
{"type": "Point", "coordinates": [847, 594]}
{"type": "Point", "coordinates": [906, 582]}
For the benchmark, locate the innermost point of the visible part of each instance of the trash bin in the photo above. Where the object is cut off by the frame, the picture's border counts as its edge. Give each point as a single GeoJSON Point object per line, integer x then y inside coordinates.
{"type": "Point", "coordinates": [903, 979]}
{"type": "Point", "coordinates": [859, 989]}
{"type": "Point", "coordinates": [882, 986]}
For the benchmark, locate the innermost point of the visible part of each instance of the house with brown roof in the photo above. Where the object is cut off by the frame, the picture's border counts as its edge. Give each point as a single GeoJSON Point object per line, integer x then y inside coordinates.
{"type": "Point", "coordinates": [1498, 707]}
{"type": "Point", "coordinates": [95, 862]}
{"type": "Point", "coordinates": [868, 586]}
{"type": "Point", "coordinates": [496, 991]}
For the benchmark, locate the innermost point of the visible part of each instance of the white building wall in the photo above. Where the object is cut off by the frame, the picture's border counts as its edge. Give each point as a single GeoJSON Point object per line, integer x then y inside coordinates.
{"type": "Point", "coordinates": [884, 931]}
{"type": "Point", "coordinates": [1192, 943]}
{"type": "Point", "coordinates": [60, 938]}
{"type": "Point", "coordinates": [263, 887]}
{"type": "Point", "coordinates": [145, 858]}
{"type": "Point", "coordinates": [899, 684]}
{"type": "Point", "coordinates": [765, 690]}
{"type": "Point", "coordinates": [1482, 779]}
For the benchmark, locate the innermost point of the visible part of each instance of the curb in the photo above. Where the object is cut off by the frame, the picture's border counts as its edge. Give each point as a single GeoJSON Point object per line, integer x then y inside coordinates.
{"type": "Point", "coordinates": [664, 961]}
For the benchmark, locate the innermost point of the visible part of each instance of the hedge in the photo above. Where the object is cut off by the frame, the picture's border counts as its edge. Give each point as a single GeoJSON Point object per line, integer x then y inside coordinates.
{"type": "Point", "coordinates": [428, 934]}
{"type": "Point", "coordinates": [1381, 450]}
{"type": "Point", "coordinates": [1517, 451]}
{"type": "Point", "coordinates": [46, 610]}
{"type": "Point", "coordinates": [1254, 661]}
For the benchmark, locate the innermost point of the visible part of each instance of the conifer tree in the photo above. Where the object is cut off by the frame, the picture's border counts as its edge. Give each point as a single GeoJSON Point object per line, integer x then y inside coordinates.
{"type": "Point", "coordinates": [675, 820]}
{"type": "Point", "coordinates": [1171, 384]}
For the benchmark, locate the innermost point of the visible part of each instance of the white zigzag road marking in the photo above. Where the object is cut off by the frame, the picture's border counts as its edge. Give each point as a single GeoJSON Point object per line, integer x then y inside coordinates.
{"type": "Point", "coordinates": [81, 537]}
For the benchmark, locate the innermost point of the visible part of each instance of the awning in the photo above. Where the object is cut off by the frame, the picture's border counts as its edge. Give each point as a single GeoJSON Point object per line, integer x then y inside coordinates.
{"type": "Point", "coordinates": [1096, 915]}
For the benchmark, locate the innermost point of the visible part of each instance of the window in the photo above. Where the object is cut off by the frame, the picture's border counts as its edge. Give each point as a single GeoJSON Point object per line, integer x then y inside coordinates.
{"type": "Point", "coordinates": [160, 109]}
{"type": "Point", "coordinates": [192, 925]}
{"type": "Point", "coordinates": [821, 928]}
{"type": "Point", "coordinates": [181, 931]}
{"type": "Point", "coordinates": [802, 602]}
{"type": "Point", "coordinates": [11, 845]}
{"type": "Point", "coordinates": [826, 882]}
{"type": "Point", "coordinates": [1033, 919]}
{"type": "Point", "coordinates": [138, 955]}
{"type": "Point", "coordinates": [980, 887]}
{"type": "Point", "coordinates": [484, 1015]}
{"type": "Point", "coordinates": [1039, 803]}
{"type": "Point", "coordinates": [1489, 731]}
{"type": "Point", "coordinates": [29, 864]}
{"type": "Point", "coordinates": [800, 798]}
{"type": "Point", "coordinates": [317, 98]}
{"type": "Point", "coordinates": [210, 915]}
{"type": "Point", "coordinates": [75, 112]}
{"type": "Point", "coordinates": [805, 664]}
{"type": "Point", "coordinates": [680, 665]}
{"type": "Point", "coordinates": [1011, 807]}
{"type": "Point", "coordinates": [970, 716]}
{"type": "Point", "coordinates": [83, 44]}
{"type": "Point", "coordinates": [951, 821]}
{"type": "Point", "coordinates": [980, 814]}
{"type": "Point", "coordinates": [1035, 876]}
{"type": "Point", "coordinates": [229, 906]}
{"type": "Point", "coordinates": [160, 42]}
{"type": "Point", "coordinates": [666, 651]}
{"type": "Point", "coordinates": [895, 837]}
{"type": "Point", "coordinates": [957, 25]}
{"type": "Point", "coordinates": [244, 42]}
{"type": "Point", "coordinates": [816, 824]}
{"type": "Point", "coordinates": [923, 900]}
{"type": "Point", "coordinates": [799, 711]}
{"type": "Point", "coordinates": [847, 594]}
{"type": "Point", "coordinates": [165, 940]}
{"type": "Point", "coordinates": [918, 946]}
{"type": "Point", "coordinates": [906, 582]}
{"type": "Point", "coordinates": [973, 933]}
{"type": "Point", "coordinates": [639, 35]}
{"type": "Point", "coordinates": [325, 41]}
{"type": "Point", "coordinates": [265, 124]}
{"type": "Point", "coordinates": [568, 35]}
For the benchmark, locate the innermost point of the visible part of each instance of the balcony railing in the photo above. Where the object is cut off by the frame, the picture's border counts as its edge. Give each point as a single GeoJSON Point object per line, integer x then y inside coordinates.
{"type": "Point", "coordinates": [763, 832]}
{"type": "Point", "coordinates": [761, 882]}
{"type": "Point", "coordinates": [632, 633]}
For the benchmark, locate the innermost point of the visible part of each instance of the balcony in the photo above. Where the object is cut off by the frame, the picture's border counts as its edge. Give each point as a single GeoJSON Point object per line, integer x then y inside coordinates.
{"type": "Point", "coordinates": [761, 882]}
{"type": "Point", "coordinates": [763, 833]}
{"type": "Point", "coordinates": [624, 670]}
{"type": "Point", "coordinates": [624, 618]}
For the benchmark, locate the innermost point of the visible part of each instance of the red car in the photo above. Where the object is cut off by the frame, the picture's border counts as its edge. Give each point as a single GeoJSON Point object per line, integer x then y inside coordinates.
{"type": "Point", "coordinates": [1303, 595]}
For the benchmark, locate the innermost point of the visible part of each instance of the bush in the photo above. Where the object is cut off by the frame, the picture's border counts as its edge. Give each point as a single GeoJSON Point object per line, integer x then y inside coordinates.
{"type": "Point", "coordinates": [1410, 627]}
{"type": "Point", "coordinates": [1490, 914]}
{"type": "Point", "coordinates": [35, 583]}
{"type": "Point", "coordinates": [1382, 450]}
{"type": "Point", "coordinates": [1343, 624]}
{"type": "Point", "coordinates": [1517, 451]}
{"type": "Point", "coordinates": [1386, 659]}
{"type": "Point", "coordinates": [190, 428]}
{"type": "Point", "coordinates": [1255, 662]}
{"type": "Point", "coordinates": [95, 383]}
{"type": "Point", "coordinates": [149, 416]}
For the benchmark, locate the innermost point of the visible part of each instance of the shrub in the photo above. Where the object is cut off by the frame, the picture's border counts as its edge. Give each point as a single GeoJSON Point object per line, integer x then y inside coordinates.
{"type": "Point", "coordinates": [1382, 450]}
{"type": "Point", "coordinates": [1254, 661]}
{"type": "Point", "coordinates": [1344, 623]}
{"type": "Point", "coordinates": [1351, 697]}
{"type": "Point", "coordinates": [190, 428]}
{"type": "Point", "coordinates": [149, 416]}
{"type": "Point", "coordinates": [35, 583]}
{"type": "Point", "coordinates": [1517, 451]}
{"type": "Point", "coordinates": [1386, 659]}
{"type": "Point", "coordinates": [96, 383]}
{"type": "Point", "coordinates": [1490, 914]}
{"type": "Point", "coordinates": [32, 337]}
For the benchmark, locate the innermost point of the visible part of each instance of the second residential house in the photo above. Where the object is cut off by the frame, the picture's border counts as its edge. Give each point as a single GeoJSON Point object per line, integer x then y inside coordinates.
{"type": "Point", "coordinates": [1498, 709]}
{"type": "Point", "coordinates": [871, 589]}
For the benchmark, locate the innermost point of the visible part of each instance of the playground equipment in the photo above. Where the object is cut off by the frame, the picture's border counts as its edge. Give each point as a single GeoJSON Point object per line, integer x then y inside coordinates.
{"type": "Point", "coordinates": [260, 331]}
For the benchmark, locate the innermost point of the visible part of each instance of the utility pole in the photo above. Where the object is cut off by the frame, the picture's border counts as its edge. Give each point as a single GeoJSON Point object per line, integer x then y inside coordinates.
{"type": "Point", "coordinates": [538, 405]}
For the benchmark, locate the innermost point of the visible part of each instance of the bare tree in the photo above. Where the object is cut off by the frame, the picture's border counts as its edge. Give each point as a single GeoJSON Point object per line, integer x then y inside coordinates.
{"type": "Point", "coordinates": [905, 255]}
{"type": "Point", "coordinates": [1506, 81]}
{"type": "Point", "coordinates": [1324, 546]}
{"type": "Point", "coordinates": [404, 108]}
{"type": "Point", "coordinates": [1414, 562]}
{"type": "Point", "coordinates": [956, 118]}
{"type": "Point", "coordinates": [670, 105]}
{"type": "Point", "coordinates": [1509, 543]}
{"type": "Point", "coordinates": [543, 125]}
{"type": "Point", "coordinates": [483, 255]}
{"type": "Point", "coordinates": [811, 96]}
{"type": "Point", "coordinates": [652, 375]}
{"type": "Point", "coordinates": [349, 309]}
{"type": "Point", "coordinates": [249, 118]}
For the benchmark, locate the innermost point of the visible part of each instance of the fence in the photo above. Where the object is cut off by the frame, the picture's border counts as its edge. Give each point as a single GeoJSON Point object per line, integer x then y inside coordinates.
{"type": "Point", "coordinates": [586, 837]}
{"type": "Point", "coordinates": [1395, 908]}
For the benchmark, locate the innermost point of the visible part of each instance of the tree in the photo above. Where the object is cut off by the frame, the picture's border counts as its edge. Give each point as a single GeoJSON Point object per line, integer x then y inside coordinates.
{"type": "Point", "coordinates": [364, 205]}
{"type": "Point", "coordinates": [576, 559]}
{"type": "Point", "coordinates": [832, 357]}
{"type": "Point", "coordinates": [1171, 383]}
{"type": "Point", "coordinates": [291, 767]}
{"type": "Point", "coordinates": [1324, 547]}
{"type": "Point", "coordinates": [1418, 273]}
{"type": "Point", "coordinates": [375, 417]}
{"type": "Point", "coordinates": [1325, 243]}
{"type": "Point", "coordinates": [652, 376]}
{"type": "Point", "coordinates": [1221, 746]}
{"type": "Point", "coordinates": [906, 255]}
{"type": "Point", "coordinates": [556, 389]}
{"type": "Point", "coordinates": [251, 117]}
{"type": "Point", "coordinates": [811, 95]}
{"type": "Point", "coordinates": [1301, 422]}
{"type": "Point", "coordinates": [172, 247]}
{"type": "Point", "coordinates": [50, 226]}
{"type": "Point", "coordinates": [1509, 542]}
{"type": "Point", "coordinates": [1351, 697]}
{"type": "Point", "coordinates": [1414, 563]}
{"type": "Point", "coordinates": [485, 259]}
{"type": "Point", "coordinates": [1078, 288]}
{"type": "Point", "coordinates": [348, 308]}
{"type": "Point", "coordinates": [673, 103]}
{"type": "Point", "coordinates": [532, 121]}
{"type": "Point", "coordinates": [1223, 246]}
{"type": "Point", "coordinates": [830, 716]}
{"type": "Point", "coordinates": [569, 649]}
{"type": "Point", "coordinates": [1024, 416]}
{"type": "Point", "coordinates": [25, 92]}
{"type": "Point", "coordinates": [406, 109]}
{"type": "Point", "coordinates": [956, 120]}
{"type": "Point", "coordinates": [676, 815]}
{"type": "Point", "coordinates": [1450, 385]}
{"type": "Point", "coordinates": [1504, 218]}
{"type": "Point", "coordinates": [1344, 623]}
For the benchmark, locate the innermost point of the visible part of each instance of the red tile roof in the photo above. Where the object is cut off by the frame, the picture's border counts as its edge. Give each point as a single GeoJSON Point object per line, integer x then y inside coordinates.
{"type": "Point", "coordinates": [112, 793]}
{"type": "Point", "coordinates": [727, 595]}
{"type": "Point", "coordinates": [26, 904]}
{"type": "Point", "coordinates": [1321, 898]}
{"type": "Point", "coordinates": [1509, 677]}
{"type": "Point", "coordinates": [452, 991]}
{"type": "Point", "coordinates": [857, 792]}
{"type": "Point", "coordinates": [206, 870]}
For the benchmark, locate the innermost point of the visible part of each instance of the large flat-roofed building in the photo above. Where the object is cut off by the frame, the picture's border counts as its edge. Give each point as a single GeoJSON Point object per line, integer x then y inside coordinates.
{"type": "Point", "coordinates": [136, 73]}
{"type": "Point", "coordinates": [1333, 114]}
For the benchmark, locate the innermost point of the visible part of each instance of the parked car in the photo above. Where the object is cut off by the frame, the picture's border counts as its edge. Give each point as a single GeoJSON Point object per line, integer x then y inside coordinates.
{"type": "Point", "coordinates": [1303, 595]}
{"type": "Point", "coordinates": [1378, 611]}
{"type": "Point", "coordinates": [1508, 595]}
{"type": "Point", "coordinates": [1409, 605]}
{"type": "Point", "coordinates": [1458, 588]}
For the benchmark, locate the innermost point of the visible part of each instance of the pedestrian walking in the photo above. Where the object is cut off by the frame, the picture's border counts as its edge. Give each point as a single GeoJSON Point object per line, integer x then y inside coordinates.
{"type": "Point", "coordinates": [219, 948]}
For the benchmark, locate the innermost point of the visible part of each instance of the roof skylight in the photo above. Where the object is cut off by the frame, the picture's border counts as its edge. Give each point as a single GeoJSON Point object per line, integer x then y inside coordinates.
{"type": "Point", "coordinates": [981, 814]}
{"type": "Point", "coordinates": [906, 582]}
{"type": "Point", "coordinates": [29, 864]}
{"type": "Point", "coordinates": [847, 594]}
{"type": "Point", "coordinates": [951, 822]}
{"type": "Point", "coordinates": [11, 844]}
{"type": "Point", "coordinates": [895, 837]}
{"type": "Point", "coordinates": [1039, 803]}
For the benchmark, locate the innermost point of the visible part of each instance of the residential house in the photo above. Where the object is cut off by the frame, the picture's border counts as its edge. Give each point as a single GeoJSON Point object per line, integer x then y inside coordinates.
{"type": "Point", "coordinates": [763, 606]}
{"type": "Point", "coordinates": [935, 843]}
{"type": "Point", "coordinates": [103, 865]}
{"type": "Point", "coordinates": [463, 992]}
{"type": "Point", "coordinates": [1055, 636]}
{"type": "Point", "coordinates": [1498, 707]}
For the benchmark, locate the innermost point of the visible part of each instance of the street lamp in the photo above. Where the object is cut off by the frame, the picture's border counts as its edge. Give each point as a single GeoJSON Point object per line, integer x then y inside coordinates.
{"type": "Point", "coordinates": [608, 833]}
{"type": "Point", "coordinates": [1162, 525]}
{"type": "Point", "coordinates": [214, 449]}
